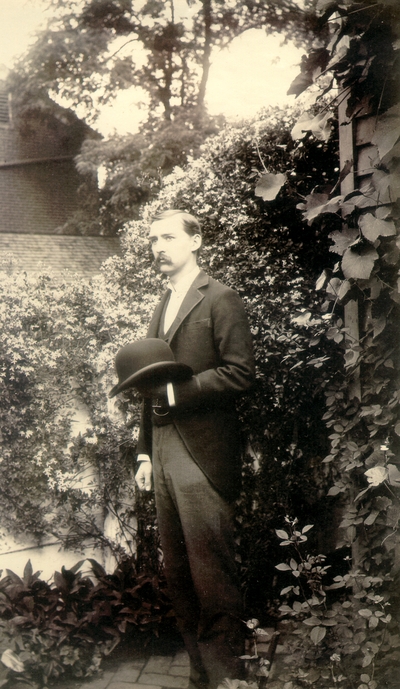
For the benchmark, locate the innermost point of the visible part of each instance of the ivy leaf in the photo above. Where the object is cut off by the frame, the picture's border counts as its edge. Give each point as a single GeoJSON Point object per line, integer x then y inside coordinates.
{"type": "Point", "coordinates": [321, 127]}
{"type": "Point", "coordinates": [387, 130]}
{"type": "Point", "coordinates": [379, 325]}
{"type": "Point", "coordinates": [372, 228]}
{"type": "Point", "coordinates": [318, 125]}
{"type": "Point", "coordinates": [269, 185]}
{"type": "Point", "coordinates": [346, 169]}
{"type": "Point", "coordinates": [359, 265]}
{"type": "Point", "coordinates": [381, 181]}
{"type": "Point", "coordinates": [315, 204]}
{"type": "Point", "coordinates": [302, 126]}
{"type": "Point", "coordinates": [320, 284]}
{"type": "Point", "coordinates": [317, 634]}
{"type": "Point", "coordinates": [394, 475]}
{"type": "Point", "coordinates": [343, 240]}
{"type": "Point", "coordinates": [300, 84]}
{"type": "Point", "coordinates": [322, 5]}
{"type": "Point", "coordinates": [394, 180]}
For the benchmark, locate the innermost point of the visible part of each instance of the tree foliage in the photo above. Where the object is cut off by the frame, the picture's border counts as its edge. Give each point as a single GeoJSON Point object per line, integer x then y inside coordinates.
{"type": "Point", "coordinates": [133, 166]}
{"type": "Point", "coordinates": [93, 48]}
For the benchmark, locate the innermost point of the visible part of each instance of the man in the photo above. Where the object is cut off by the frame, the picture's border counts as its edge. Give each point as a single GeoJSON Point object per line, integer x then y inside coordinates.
{"type": "Point", "coordinates": [190, 431]}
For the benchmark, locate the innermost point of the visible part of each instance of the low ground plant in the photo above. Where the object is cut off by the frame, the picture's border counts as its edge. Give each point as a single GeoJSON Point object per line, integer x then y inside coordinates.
{"type": "Point", "coordinates": [63, 629]}
{"type": "Point", "coordinates": [335, 631]}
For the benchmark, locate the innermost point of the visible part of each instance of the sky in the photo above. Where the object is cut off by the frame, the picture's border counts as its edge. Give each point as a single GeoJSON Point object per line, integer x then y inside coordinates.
{"type": "Point", "coordinates": [254, 72]}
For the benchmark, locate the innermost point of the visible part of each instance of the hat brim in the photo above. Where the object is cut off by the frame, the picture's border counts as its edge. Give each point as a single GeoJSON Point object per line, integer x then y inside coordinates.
{"type": "Point", "coordinates": [155, 374]}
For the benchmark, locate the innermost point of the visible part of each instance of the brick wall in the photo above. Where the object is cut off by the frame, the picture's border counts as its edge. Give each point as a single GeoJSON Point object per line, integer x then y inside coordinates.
{"type": "Point", "coordinates": [38, 179]}
{"type": "Point", "coordinates": [37, 198]}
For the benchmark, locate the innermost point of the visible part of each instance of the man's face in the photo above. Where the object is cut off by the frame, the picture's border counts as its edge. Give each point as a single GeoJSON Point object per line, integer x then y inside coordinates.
{"type": "Point", "coordinates": [173, 248]}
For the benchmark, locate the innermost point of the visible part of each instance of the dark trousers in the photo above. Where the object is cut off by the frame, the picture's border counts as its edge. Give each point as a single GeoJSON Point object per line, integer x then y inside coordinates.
{"type": "Point", "coordinates": [196, 529]}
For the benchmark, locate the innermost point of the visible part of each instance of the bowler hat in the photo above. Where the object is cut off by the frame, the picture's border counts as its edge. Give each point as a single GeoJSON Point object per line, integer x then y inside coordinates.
{"type": "Point", "coordinates": [150, 361]}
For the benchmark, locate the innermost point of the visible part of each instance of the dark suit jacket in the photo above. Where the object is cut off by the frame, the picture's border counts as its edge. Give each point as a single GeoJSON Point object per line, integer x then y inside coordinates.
{"type": "Point", "coordinates": [211, 334]}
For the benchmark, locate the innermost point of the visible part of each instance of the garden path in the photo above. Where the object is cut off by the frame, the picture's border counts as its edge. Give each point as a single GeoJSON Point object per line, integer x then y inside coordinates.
{"type": "Point", "coordinates": [154, 672]}
{"type": "Point", "coordinates": [159, 670]}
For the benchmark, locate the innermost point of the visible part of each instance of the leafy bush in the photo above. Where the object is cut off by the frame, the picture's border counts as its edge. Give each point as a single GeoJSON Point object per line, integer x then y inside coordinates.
{"type": "Point", "coordinates": [344, 631]}
{"type": "Point", "coordinates": [65, 628]}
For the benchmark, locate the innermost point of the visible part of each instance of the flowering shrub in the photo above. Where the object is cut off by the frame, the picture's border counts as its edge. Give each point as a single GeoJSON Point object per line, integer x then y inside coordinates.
{"type": "Point", "coordinates": [57, 345]}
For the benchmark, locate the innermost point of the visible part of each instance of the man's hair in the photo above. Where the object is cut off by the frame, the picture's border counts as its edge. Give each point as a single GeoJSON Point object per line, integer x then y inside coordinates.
{"type": "Point", "coordinates": [190, 224]}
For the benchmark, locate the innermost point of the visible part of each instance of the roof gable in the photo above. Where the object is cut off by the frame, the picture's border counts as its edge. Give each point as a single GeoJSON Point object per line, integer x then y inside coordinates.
{"type": "Point", "coordinates": [64, 256]}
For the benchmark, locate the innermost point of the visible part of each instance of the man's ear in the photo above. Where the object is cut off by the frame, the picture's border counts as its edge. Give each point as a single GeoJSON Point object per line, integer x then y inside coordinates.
{"type": "Point", "coordinates": [196, 242]}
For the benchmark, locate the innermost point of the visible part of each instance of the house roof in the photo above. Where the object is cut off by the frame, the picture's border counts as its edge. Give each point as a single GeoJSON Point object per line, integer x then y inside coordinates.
{"type": "Point", "coordinates": [81, 256]}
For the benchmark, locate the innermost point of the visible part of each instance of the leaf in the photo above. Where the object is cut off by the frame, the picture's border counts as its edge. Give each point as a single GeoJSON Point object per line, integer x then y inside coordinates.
{"type": "Point", "coordinates": [316, 204]}
{"type": "Point", "coordinates": [283, 567]}
{"type": "Point", "coordinates": [312, 621]}
{"type": "Point", "coordinates": [317, 634]}
{"type": "Point", "coordinates": [302, 126]}
{"type": "Point", "coordinates": [379, 325]}
{"type": "Point", "coordinates": [397, 428]}
{"type": "Point", "coordinates": [371, 517]}
{"type": "Point", "coordinates": [322, 5]}
{"type": "Point", "coordinates": [28, 571]}
{"type": "Point", "coordinates": [318, 125]}
{"type": "Point", "coordinates": [361, 493]}
{"type": "Point", "coordinates": [11, 660]}
{"type": "Point", "coordinates": [394, 475]}
{"type": "Point", "coordinates": [365, 612]}
{"type": "Point", "coordinates": [98, 570]}
{"type": "Point", "coordinates": [300, 84]}
{"type": "Point", "coordinates": [307, 528]}
{"type": "Point", "coordinates": [281, 534]}
{"type": "Point", "coordinates": [343, 240]}
{"type": "Point", "coordinates": [372, 228]}
{"type": "Point", "coordinates": [269, 185]}
{"type": "Point", "coordinates": [321, 127]}
{"type": "Point", "coordinates": [367, 660]}
{"type": "Point", "coordinates": [320, 284]}
{"type": "Point", "coordinates": [344, 288]}
{"type": "Point", "coordinates": [335, 490]}
{"type": "Point", "coordinates": [359, 265]}
{"type": "Point", "coordinates": [346, 169]}
{"type": "Point", "coordinates": [76, 567]}
{"type": "Point", "coordinates": [387, 130]}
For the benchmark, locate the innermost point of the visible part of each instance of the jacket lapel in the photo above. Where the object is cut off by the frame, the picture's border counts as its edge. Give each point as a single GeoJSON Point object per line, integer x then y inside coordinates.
{"type": "Point", "coordinates": [192, 298]}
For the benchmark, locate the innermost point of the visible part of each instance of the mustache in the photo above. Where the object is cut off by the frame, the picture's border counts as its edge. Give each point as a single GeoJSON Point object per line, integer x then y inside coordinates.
{"type": "Point", "coordinates": [163, 259]}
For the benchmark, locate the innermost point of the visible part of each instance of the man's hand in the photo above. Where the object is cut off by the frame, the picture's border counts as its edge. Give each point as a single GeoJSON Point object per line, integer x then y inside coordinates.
{"type": "Point", "coordinates": [148, 389]}
{"type": "Point", "coordinates": [143, 475]}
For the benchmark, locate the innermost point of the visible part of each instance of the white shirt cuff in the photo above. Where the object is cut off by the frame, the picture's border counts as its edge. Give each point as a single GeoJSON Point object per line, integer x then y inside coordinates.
{"type": "Point", "coordinates": [143, 458]}
{"type": "Point", "coordinates": [171, 395]}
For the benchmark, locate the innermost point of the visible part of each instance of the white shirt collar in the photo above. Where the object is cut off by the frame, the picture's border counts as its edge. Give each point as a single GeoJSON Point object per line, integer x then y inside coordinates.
{"type": "Point", "coordinates": [182, 286]}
